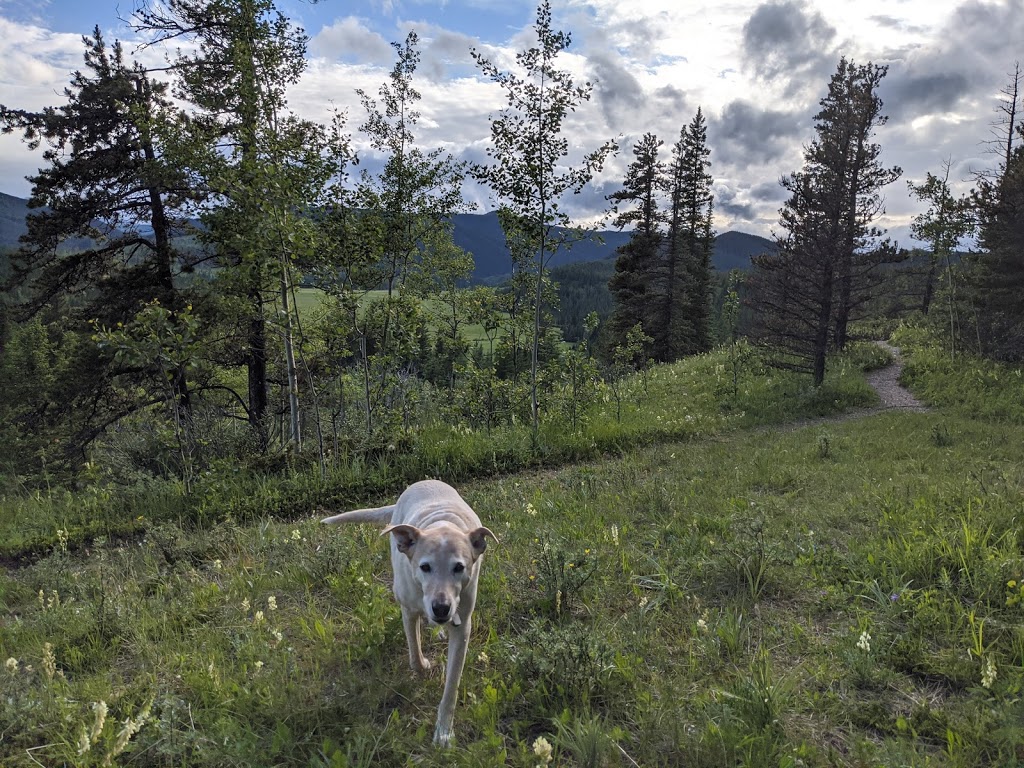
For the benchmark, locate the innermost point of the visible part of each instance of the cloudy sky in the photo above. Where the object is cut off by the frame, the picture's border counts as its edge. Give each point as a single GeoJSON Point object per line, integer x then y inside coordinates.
{"type": "Point", "coordinates": [756, 69]}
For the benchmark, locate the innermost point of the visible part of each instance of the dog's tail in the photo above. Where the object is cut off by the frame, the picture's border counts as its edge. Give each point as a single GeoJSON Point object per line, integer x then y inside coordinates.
{"type": "Point", "coordinates": [375, 515]}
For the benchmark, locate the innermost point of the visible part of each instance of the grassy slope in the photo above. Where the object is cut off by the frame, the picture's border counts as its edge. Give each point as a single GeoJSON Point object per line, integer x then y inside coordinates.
{"type": "Point", "coordinates": [691, 603]}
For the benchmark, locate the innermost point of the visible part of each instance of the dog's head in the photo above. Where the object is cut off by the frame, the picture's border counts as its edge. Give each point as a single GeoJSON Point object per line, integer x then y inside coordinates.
{"type": "Point", "coordinates": [443, 560]}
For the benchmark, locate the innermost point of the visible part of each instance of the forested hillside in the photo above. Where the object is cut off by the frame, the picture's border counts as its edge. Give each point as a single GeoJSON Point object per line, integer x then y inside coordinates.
{"type": "Point", "coordinates": [482, 236]}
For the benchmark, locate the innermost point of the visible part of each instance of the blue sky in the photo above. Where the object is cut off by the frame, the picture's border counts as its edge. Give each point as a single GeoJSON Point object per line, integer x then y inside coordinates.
{"type": "Point", "coordinates": [756, 69]}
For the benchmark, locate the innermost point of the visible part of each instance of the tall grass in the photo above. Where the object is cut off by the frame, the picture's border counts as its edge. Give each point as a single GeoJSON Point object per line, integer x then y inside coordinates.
{"type": "Point", "coordinates": [742, 599]}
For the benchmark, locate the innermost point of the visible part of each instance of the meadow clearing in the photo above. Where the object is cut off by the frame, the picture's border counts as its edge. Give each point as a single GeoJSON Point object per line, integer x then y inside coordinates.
{"type": "Point", "coordinates": [700, 584]}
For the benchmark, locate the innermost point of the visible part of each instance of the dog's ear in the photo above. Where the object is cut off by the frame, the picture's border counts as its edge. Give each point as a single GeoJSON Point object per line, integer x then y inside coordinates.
{"type": "Point", "coordinates": [478, 539]}
{"type": "Point", "coordinates": [406, 536]}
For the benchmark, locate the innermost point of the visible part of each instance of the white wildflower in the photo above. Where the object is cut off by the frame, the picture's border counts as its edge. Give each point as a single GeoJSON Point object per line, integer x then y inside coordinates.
{"type": "Point", "coordinates": [613, 534]}
{"type": "Point", "coordinates": [12, 665]}
{"type": "Point", "coordinates": [49, 661]}
{"type": "Point", "coordinates": [542, 749]}
{"type": "Point", "coordinates": [271, 603]}
{"type": "Point", "coordinates": [988, 673]}
{"type": "Point", "coordinates": [864, 643]}
{"type": "Point", "coordinates": [128, 729]}
{"type": "Point", "coordinates": [530, 510]}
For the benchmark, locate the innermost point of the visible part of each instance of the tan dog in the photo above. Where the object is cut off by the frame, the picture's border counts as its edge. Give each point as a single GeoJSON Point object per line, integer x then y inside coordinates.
{"type": "Point", "coordinates": [436, 547]}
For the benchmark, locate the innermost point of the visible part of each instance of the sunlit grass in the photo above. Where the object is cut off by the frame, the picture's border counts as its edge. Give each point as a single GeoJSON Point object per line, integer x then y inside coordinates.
{"type": "Point", "coordinates": [715, 592]}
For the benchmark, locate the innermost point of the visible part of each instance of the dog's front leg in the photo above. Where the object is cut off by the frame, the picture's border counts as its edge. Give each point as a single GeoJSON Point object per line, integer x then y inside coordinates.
{"type": "Point", "coordinates": [458, 643]}
{"type": "Point", "coordinates": [411, 622]}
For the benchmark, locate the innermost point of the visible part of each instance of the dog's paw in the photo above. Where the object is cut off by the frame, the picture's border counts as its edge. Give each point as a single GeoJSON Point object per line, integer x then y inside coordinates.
{"type": "Point", "coordinates": [422, 666]}
{"type": "Point", "coordinates": [443, 735]}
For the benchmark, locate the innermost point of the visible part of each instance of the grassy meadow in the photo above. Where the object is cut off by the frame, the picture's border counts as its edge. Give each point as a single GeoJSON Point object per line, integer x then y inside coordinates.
{"type": "Point", "coordinates": [702, 582]}
{"type": "Point", "coordinates": [310, 303]}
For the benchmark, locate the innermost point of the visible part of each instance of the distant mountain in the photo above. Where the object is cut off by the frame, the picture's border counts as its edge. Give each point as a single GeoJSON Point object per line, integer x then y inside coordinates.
{"type": "Point", "coordinates": [12, 219]}
{"type": "Point", "coordinates": [733, 250]}
{"type": "Point", "coordinates": [481, 235]}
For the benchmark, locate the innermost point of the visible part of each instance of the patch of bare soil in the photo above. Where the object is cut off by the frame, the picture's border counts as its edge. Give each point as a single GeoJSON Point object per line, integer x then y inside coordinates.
{"type": "Point", "coordinates": [886, 382]}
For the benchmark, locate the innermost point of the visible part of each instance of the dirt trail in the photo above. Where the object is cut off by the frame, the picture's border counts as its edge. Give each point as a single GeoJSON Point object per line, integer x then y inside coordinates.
{"type": "Point", "coordinates": [886, 382]}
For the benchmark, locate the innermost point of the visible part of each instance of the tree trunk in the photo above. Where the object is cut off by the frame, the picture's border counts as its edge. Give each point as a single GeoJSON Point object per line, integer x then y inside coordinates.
{"type": "Point", "coordinates": [256, 363]}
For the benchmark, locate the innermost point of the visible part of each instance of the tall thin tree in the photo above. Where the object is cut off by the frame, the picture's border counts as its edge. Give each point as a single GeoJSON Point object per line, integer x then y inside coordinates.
{"type": "Point", "coordinates": [634, 285]}
{"type": "Point", "coordinates": [829, 261]}
{"type": "Point", "coordinates": [529, 147]}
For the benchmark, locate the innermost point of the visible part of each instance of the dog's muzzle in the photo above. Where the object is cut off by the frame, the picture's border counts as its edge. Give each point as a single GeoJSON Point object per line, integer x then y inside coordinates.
{"type": "Point", "coordinates": [441, 611]}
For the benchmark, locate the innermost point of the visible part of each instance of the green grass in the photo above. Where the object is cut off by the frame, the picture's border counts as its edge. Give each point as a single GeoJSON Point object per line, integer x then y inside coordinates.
{"type": "Point", "coordinates": [833, 595]}
{"type": "Point", "coordinates": [310, 305]}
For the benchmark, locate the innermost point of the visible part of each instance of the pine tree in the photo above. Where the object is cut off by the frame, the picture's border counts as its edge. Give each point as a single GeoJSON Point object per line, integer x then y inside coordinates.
{"type": "Point", "coordinates": [687, 314]}
{"type": "Point", "coordinates": [100, 241]}
{"type": "Point", "coordinates": [103, 216]}
{"type": "Point", "coordinates": [829, 261]}
{"type": "Point", "coordinates": [634, 284]}
{"type": "Point", "coordinates": [999, 282]}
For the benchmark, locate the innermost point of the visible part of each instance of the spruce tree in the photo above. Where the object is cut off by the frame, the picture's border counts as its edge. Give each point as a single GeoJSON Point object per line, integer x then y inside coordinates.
{"type": "Point", "coordinates": [691, 240]}
{"type": "Point", "coordinates": [998, 281]}
{"type": "Point", "coordinates": [830, 258]}
{"type": "Point", "coordinates": [634, 285]}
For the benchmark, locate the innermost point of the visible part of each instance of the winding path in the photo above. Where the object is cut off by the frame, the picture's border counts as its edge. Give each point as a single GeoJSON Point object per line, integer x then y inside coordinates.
{"type": "Point", "coordinates": [886, 382]}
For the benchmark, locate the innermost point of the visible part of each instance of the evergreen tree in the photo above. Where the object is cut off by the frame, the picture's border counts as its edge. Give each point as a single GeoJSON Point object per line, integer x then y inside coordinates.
{"type": "Point", "coordinates": [104, 205]}
{"type": "Point", "coordinates": [528, 147]}
{"type": "Point", "coordinates": [829, 261]}
{"type": "Point", "coordinates": [999, 282]}
{"type": "Point", "coordinates": [241, 58]}
{"type": "Point", "coordinates": [634, 284]}
{"type": "Point", "coordinates": [686, 318]}
{"type": "Point", "coordinates": [100, 241]}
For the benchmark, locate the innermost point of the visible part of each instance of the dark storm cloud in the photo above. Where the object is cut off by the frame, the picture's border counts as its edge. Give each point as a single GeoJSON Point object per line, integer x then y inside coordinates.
{"type": "Point", "coordinates": [965, 66]}
{"type": "Point", "coordinates": [907, 96]}
{"type": "Point", "coordinates": [617, 91]}
{"type": "Point", "coordinates": [727, 203]}
{"type": "Point", "coordinates": [745, 133]}
{"type": "Point", "coordinates": [783, 41]}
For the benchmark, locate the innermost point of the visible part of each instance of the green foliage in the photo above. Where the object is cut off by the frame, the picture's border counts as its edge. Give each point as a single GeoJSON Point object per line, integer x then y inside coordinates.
{"type": "Point", "coordinates": [969, 385]}
{"type": "Point", "coordinates": [530, 174]}
{"type": "Point", "coordinates": [728, 601]}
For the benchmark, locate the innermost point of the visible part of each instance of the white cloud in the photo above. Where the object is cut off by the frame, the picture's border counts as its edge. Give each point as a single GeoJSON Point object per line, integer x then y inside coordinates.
{"type": "Point", "coordinates": [653, 63]}
{"type": "Point", "coordinates": [349, 39]}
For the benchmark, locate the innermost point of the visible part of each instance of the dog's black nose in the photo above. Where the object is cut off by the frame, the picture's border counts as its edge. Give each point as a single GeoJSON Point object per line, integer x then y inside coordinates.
{"type": "Point", "coordinates": [441, 611]}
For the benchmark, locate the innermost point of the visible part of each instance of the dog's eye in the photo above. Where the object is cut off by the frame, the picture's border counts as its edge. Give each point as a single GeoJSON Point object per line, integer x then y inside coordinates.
{"type": "Point", "coordinates": [425, 567]}
{"type": "Point", "coordinates": [459, 568]}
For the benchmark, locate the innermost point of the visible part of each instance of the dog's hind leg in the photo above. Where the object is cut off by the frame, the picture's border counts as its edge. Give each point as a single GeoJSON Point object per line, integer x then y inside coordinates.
{"type": "Point", "coordinates": [412, 623]}
{"type": "Point", "coordinates": [458, 643]}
